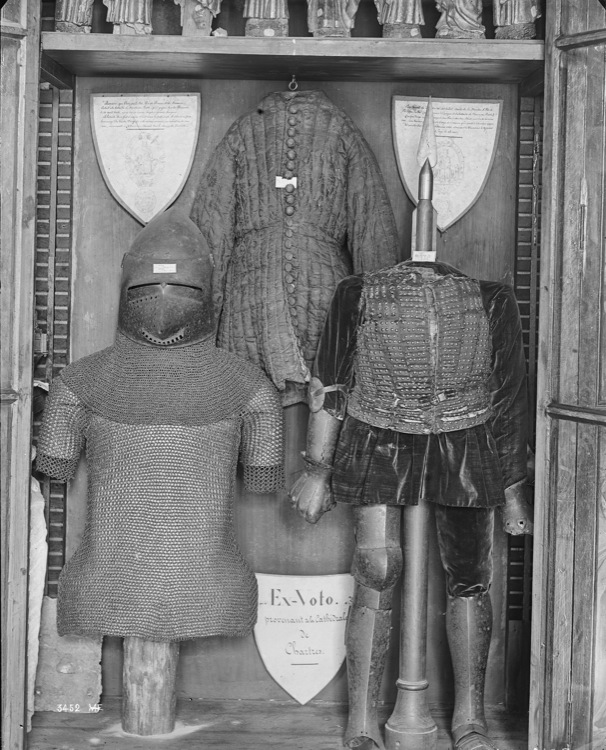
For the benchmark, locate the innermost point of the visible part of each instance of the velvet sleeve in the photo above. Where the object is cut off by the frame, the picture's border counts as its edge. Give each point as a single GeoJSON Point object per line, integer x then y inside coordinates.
{"type": "Point", "coordinates": [334, 364]}
{"type": "Point", "coordinates": [508, 383]}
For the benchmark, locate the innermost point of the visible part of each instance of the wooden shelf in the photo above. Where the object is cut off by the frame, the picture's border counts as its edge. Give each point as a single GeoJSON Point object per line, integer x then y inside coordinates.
{"type": "Point", "coordinates": [355, 59]}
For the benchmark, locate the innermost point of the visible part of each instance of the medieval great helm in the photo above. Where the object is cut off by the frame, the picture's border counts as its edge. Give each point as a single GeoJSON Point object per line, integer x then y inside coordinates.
{"type": "Point", "coordinates": [165, 296]}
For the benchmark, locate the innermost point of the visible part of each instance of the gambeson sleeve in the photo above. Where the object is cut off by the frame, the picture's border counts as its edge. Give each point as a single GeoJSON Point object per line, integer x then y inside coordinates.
{"type": "Point", "coordinates": [62, 433]}
{"type": "Point", "coordinates": [214, 208]}
{"type": "Point", "coordinates": [508, 386]}
{"type": "Point", "coordinates": [371, 228]}
{"type": "Point", "coordinates": [334, 364]}
{"type": "Point", "coordinates": [262, 446]}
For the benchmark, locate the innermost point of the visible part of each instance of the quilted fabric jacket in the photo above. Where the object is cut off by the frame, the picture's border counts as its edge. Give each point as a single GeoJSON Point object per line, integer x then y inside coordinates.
{"type": "Point", "coordinates": [291, 202]}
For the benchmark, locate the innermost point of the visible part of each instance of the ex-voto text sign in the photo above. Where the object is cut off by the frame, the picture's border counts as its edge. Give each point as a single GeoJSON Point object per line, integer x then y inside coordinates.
{"type": "Point", "coordinates": [300, 630]}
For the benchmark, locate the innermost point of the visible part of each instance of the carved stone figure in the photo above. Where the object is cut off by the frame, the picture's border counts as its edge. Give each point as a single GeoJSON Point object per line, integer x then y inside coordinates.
{"type": "Point", "coordinates": [74, 16]}
{"type": "Point", "coordinates": [197, 16]}
{"type": "Point", "coordinates": [420, 398]}
{"type": "Point", "coordinates": [460, 19]}
{"type": "Point", "coordinates": [291, 202]}
{"type": "Point", "coordinates": [400, 18]}
{"type": "Point", "coordinates": [331, 17]}
{"type": "Point", "coordinates": [266, 18]}
{"type": "Point", "coordinates": [130, 17]}
{"type": "Point", "coordinates": [515, 19]}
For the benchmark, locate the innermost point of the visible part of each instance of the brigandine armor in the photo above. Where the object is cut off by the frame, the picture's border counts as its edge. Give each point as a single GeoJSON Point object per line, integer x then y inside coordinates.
{"type": "Point", "coordinates": [423, 354]}
{"type": "Point", "coordinates": [291, 202]}
{"type": "Point", "coordinates": [164, 425]}
{"type": "Point", "coordinates": [426, 368]}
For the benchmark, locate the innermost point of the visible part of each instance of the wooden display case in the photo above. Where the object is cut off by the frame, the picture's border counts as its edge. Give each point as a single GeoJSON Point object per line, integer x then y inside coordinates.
{"type": "Point", "coordinates": [360, 75]}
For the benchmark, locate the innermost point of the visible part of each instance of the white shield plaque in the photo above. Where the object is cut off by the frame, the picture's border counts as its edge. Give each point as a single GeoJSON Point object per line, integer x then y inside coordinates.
{"type": "Point", "coordinates": [145, 146]}
{"type": "Point", "coordinates": [300, 630]}
{"type": "Point", "coordinates": [466, 132]}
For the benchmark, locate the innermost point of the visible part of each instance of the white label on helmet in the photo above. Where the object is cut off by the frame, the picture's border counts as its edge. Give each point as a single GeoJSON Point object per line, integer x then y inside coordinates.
{"type": "Point", "coordinates": [165, 268]}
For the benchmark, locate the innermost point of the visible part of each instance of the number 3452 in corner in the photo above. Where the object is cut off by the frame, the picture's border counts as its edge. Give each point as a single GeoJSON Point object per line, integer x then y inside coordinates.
{"type": "Point", "coordinates": [75, 708]}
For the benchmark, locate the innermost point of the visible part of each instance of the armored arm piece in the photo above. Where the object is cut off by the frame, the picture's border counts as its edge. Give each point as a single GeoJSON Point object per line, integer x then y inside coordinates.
{"type": "Point", "coordinates": [311, 494]}
{"type": "Point", "coordinates": [510, 409]}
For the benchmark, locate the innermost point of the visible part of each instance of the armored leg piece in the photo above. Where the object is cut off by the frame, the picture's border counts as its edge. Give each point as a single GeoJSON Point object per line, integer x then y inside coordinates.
{"type": "Point", "coordinates": [376, 568]}
{"type": "Point", "coordinates": [469, 629]}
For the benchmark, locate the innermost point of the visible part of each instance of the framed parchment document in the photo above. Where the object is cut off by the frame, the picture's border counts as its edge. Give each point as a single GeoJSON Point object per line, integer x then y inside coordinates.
{"type": "Point", "coordinates": [466, 132]}
{"type": "Point", "coordinates": [145, 146]}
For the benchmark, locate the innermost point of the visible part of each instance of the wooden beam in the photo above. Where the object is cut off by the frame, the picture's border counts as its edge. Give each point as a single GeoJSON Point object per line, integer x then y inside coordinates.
{"type": "Point", "coordinates": [582, 39]}
{"type": "Point", "coordinates": [55, 74]}
{"type": "Point", "coordinates": [278, 58]}
{"type": "Point", "coordinates": [584, 414]}
{"type": "Point", "coordinates": [540, 707]}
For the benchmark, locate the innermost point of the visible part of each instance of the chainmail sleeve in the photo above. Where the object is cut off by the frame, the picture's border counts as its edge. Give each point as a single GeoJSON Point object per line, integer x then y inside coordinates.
{"type": "Point", "coordinates": [262, 447]}
{"type": "Point", "coordinates": [62, 433]}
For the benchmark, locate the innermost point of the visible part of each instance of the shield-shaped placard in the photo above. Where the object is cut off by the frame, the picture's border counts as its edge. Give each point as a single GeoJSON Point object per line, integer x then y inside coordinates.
{"type": "Point", "coordinates": [466, 132]}
{"type": "Point", "coordinates": [300, 630]}
{"type": "Point", "coordinates": [145, 146]}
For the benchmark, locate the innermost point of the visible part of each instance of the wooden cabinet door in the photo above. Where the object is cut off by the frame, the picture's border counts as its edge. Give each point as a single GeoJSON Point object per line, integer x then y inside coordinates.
{"type": "Point", "coordinates": [568, 692]}
{"type": "Point", "coordinates": [19, 120]}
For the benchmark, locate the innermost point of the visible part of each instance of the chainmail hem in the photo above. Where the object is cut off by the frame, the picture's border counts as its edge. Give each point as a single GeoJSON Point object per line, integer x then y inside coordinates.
{"type": "Point", "coordinates": [133, 631]}
{"type": "Point", "coordinates": [62, 469]}
{"type": "Point", "coordinates": [263, 479]}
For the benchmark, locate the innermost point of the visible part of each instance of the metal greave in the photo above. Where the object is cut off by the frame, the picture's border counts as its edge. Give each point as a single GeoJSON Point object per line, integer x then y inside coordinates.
{"type": "Point", "coordinates": [376, 568]}
{"type": "Point", "coordinates": [469, 630]}
{"type": "Point", "coordinates": [367, 643]}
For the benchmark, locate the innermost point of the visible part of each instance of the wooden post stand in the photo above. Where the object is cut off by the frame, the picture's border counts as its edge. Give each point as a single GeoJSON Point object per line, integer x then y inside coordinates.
{"type": "Point", "coordinates": [148, 691]}
{"type": "Point", "coordinates": [411, 726]}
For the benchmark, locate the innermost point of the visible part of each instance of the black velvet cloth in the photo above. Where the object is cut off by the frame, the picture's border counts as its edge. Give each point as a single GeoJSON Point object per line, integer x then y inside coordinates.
{"type": "Point", "coordinates": [465, 542]}
{"type": "Point", "coordinates": [462, 468]}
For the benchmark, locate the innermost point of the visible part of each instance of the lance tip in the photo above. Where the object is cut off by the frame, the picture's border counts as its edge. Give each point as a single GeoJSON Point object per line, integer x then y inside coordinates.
{"type": "Point", "coordinates": [426, 181]}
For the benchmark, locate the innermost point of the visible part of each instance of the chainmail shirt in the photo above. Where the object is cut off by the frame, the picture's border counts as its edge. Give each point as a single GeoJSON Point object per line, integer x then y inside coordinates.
{"type": "Point", "coordinates": [163, 430]}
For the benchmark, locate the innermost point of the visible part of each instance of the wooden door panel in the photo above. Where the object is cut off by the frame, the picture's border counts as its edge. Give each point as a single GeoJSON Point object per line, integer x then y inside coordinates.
{"type": "Point", "coordinates": [571, 415]}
